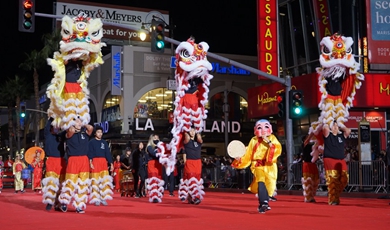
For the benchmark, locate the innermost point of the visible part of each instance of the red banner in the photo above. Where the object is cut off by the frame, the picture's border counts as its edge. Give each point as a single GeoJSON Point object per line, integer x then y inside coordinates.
{"type": "Point", "coordinates": [374, 92]}
{"type": "Point", "coordinates": [378, 33]}
{"type": "Point", "coordinates": [321, 11]}
{"type": "Point", "coordinates": [267, 35]}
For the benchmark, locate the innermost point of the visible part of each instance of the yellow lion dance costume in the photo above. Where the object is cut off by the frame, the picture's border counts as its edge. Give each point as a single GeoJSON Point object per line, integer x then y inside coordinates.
{"type": "Point", "coordinates": [80, 53]}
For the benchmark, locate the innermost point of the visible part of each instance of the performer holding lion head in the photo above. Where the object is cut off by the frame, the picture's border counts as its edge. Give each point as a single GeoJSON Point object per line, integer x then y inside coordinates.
{"type": "Point", "coordinates": [338, 81]}
{"type": "Point", "coordinates": [192, 79]}
{"type": "Point", "coordinates": [80, 53]}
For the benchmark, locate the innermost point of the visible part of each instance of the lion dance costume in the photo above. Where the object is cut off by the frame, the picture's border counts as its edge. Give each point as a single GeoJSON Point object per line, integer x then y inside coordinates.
{"type": "Point", "coordinates": [261, 155]}
{"type": "Point", "coordinates": [338, 79]}
{"type": "Point", "coordinates": [192, 79]}
{"type": "Point", "coordinates": [310, 178]}
{"type": "Point", "coordinates": [80, 53]}
{"type": "Point", "coordinates": [55, 165]}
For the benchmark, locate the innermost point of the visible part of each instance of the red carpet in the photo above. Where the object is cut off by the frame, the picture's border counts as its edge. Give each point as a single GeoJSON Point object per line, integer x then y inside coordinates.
{"type": "Point", "coordinates": [217, 211]}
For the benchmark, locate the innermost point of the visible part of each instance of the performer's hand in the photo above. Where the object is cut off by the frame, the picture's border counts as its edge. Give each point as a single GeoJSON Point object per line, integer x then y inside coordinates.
{"type": "Point", "coordinates": [265, 138]}
{"type": "Point", "coordinates": [89, 129]}
{"type": "Point", "coordinates": [91, 165]}
{"type": "Point", "coordinates": [71, 130]}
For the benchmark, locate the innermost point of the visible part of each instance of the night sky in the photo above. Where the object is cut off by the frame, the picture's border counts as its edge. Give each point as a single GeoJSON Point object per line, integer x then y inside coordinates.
{"type": "Point", "coordinates": [228, 26]}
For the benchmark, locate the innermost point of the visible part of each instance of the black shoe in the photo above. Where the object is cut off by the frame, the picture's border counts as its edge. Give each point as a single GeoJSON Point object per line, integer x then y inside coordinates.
{"type": "Point", "coordinates": [272, 198]}
{"type": "Point", "coordinates": [136, 196]}
{"type": "Point", "coordinates": [57, 207]}
{"type": "Point", "coordinates": [334, 203]}
{"type": "Point", "coordinates": [311, 201]}
{"type": "Point", "coordinates": [155, 200]}
{"type": "Point", "coordinates": [171, 194]}
{"type": "Point", "coordinates": [79, 210]}
{"type": "Point", "coordinates": [16, 191]}
{"type": "Point", "coordinates": [64, 208]}
{"type": "Point", "coordinates": [23, 191]}
{"type": "Point", "coordinates": [262, 208]}
{"type": "Point", "coordinates": [48, 207]}
{"type": "Point", "coordinates": [196, 201]}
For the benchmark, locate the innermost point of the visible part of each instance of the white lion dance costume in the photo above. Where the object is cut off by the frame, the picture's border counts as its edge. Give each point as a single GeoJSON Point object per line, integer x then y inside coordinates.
{"type": "Point", "coordinates": [80, 53]}
{"type": "Point", "coordinates": [338, 81]}
{"type": "Point", "coordinates": [192, 79]}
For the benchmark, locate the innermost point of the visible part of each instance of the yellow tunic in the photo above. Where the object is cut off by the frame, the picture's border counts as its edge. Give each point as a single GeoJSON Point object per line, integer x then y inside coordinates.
{"type": "Point", "coordinates": [262, 160]}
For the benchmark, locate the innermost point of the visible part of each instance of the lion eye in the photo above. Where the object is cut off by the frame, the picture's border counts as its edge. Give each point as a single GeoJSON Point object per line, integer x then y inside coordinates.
{"type": "Point", "coordinates": [184, 53]}
{"type": "Point", "coordinates": [96, 33]}
{"type": "Point", "coordinates": [325, 50]}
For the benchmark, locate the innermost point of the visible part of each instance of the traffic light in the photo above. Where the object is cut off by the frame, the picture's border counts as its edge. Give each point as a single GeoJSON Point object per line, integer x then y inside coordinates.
{"type": "Point", "coordinates": [281, 99]}
{"type": "Point", "coordinates": [157, 39]}
{"type": "Point", "coordinates": [22, 111]}
{"type": "Point", "coordinates": [27, 16]}
{"type": "Point", "coordinates": [296, 103]}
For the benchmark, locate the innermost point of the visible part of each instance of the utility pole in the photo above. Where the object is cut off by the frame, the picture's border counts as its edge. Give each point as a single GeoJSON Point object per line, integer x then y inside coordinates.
{"type": "Point", "coordinates": [226, 110]}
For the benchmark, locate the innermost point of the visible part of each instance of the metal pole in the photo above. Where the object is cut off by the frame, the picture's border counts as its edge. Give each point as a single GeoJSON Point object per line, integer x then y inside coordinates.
{"type": "Point", "coordinates": [36, 110]}
{"type": "Point", "coordinates": [226, 109]}
{"type": "Point", "coordinates": [172, 69]}
{"type": "Point", "coordinates": [18, 127]}
{"type": "Point", "coordinates": [289, 133]}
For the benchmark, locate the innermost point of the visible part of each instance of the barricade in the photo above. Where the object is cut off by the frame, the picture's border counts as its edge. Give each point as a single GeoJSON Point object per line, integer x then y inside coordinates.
{"type": "Point", "coordinates": [362, 175]}
{"type": "Point", "coordinates": [365, 175]}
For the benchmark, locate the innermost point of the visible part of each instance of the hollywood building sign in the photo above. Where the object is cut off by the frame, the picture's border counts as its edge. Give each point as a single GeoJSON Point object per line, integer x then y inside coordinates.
{"type": "Point", "coordinates": [267, 35]}
{"type": "Point", "coordinates": [218, 127]}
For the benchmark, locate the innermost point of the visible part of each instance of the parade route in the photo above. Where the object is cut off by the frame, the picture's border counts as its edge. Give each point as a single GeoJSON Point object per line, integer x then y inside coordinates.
{"type": "Point", "coordinates": [219, 210]}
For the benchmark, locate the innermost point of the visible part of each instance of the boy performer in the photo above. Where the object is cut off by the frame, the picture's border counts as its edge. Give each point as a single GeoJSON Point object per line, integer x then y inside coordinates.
{"type": "Point", "coordinates": [101, 182]}
{"type": "Point", "coordinates": [191, 186]}
{"type": "Point", "coordinates": [77, 181]}
{"type": "Point", "coordinates": [55, 166]}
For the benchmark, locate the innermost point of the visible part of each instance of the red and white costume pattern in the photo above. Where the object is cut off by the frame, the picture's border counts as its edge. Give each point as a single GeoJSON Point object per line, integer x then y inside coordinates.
{"type": "Point", "coordinates": [338, 79]}
{"type": "Point", "coordinates": [154, 182]}
{"type": "Point", "coordinates": [192, 79]}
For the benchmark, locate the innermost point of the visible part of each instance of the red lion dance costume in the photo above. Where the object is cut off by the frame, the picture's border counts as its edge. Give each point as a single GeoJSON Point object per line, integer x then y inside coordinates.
{"type": "Point", "coordinates": [338, 81]}
{"type": "Point", "coordinates": [80, 53]}
{"type": "Point", "coordinates": [192, 79]}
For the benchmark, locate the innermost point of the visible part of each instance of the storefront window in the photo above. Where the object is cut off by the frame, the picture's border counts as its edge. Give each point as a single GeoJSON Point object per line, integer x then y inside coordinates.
{"type": "Point", "coordinates": [110, 100]}
{"type": "Point", "coordinates": [111, 109]}
{"type": "Point", "coordinates": [156, 103]}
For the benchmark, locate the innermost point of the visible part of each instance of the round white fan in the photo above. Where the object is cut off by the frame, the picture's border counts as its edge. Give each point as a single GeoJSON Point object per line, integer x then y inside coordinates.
{"type": "Point", "coordinates": [236, 149]}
